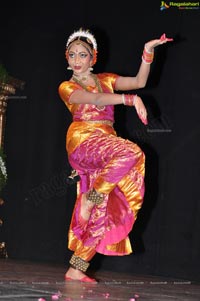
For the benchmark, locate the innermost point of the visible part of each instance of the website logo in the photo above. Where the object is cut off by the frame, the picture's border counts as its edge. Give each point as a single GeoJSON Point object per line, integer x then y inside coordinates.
{"type": "Point", "coordinates": [164, 5]}
{"type": "Point", "coordinates": [179, 5]}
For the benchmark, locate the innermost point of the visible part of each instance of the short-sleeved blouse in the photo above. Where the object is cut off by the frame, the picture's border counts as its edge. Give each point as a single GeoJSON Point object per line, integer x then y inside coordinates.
{"type": "Point", "coordinates": [86, 112]}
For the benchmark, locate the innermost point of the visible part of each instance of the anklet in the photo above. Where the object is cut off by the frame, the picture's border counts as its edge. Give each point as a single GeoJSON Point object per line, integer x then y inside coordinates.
{"type": "Point", "coordinates": [78, 263]}
{"type": "Point", "coordinates": [95, 197]}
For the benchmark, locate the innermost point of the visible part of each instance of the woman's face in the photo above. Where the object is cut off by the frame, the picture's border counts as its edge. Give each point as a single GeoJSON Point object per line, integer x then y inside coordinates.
{"type": "Point", "coordinates": [80, 59]}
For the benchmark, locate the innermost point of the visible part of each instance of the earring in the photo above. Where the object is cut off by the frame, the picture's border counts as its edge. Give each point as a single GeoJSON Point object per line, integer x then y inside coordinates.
{"type": "Point", "coordinates": [69, 68]}
{"type": "Point", "coordinates": [91, 69]}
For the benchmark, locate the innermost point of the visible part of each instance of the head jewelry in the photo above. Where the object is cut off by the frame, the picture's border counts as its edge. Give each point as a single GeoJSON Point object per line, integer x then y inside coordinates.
{"type": "Point", "coordinates": [86, 39]}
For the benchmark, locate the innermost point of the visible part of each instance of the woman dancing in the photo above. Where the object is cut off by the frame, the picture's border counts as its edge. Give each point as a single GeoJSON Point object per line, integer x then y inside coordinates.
{"type": "Point", "coordinates": [111, 169]}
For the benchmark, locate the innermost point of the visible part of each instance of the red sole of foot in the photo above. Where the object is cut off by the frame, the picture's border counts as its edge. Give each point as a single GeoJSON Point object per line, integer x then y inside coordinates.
{"type": "Point", "coordinates": [84, 279]}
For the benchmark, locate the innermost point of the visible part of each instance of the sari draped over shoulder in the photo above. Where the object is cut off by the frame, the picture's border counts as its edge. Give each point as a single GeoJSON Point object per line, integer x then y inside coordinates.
{"type": "Point", "coordinates": [110, 164]}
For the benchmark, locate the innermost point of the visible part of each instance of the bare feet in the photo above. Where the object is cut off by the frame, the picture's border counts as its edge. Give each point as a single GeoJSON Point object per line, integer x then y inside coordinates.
{"type": "Point", "coordinates": [73, 274]}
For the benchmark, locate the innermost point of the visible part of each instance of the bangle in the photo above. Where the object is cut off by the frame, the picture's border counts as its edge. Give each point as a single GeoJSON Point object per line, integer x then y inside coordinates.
{"type": "Point", "coordinates": [129, 99]}
{"type": "Point", "coordinates": [123, 99]}
{"type": "Point", "coordinates": [145, 61]}
{"type": "Point", "coordinates": [147, 56]}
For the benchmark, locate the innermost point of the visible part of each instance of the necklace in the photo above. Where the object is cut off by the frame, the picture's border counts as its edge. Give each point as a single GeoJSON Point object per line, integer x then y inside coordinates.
{"type": "Point", "coordinates": [97, 84]}
{"type": "Point", "coordinates": [96, 80]}
{"type": "Point", "coordinates": [83, 78]}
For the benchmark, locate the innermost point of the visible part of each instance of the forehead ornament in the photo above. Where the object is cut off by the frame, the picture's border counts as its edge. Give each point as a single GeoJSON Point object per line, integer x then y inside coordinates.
{"type": "Point", "coordinates": [82, 34]}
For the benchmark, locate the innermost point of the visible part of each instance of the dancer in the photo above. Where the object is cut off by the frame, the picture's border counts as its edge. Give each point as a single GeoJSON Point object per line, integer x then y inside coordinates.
{"type": "Point", "coordinates": [111, 169]}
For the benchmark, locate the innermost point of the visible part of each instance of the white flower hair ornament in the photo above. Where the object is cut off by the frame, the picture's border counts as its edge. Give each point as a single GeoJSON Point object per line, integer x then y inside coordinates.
{"type": "Point", "coordinates": [85, 38]}
{"type": "Point", "coordinates": [82, 33]}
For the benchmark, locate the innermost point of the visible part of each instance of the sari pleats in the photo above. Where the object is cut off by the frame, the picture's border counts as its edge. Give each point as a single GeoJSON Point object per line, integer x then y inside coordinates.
{"type": "Point", "coordinates": [113, 166]}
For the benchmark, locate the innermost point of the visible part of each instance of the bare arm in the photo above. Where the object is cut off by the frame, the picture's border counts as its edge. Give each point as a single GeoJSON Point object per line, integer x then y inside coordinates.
{"type": "Point", "coordinates": [123, 84]}
{"type": "Point", "coordinates": [103, 99]}
{"type": "Point", "coordinates": [140, 80]}
{"type": "Point", "coordinates": [97, 99]}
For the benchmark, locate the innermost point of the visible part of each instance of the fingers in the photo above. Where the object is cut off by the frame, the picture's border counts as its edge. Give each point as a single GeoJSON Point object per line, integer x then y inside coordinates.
{"type": "Point", "coordinates": [143, 116]}
{"type": "Point", "coordinates": [143, 113]}
{"type": "Point", "coordinates": [163, 38]}
{"type": "Point", "coordinates": [144, 120]}
{"type": "Point", "coordinates": [141, 110]}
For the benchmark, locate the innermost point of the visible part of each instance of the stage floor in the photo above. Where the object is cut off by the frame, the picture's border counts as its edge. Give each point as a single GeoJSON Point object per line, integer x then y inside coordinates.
{"type": "Point", "coordinates": [25, 281]}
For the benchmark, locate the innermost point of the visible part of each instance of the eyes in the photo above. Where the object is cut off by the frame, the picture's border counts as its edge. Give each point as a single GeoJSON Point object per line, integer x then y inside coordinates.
{"type": "Point", "coordinates": [81, 55]}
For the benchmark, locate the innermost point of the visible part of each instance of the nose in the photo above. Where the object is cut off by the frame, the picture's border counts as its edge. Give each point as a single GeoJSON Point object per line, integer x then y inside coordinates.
{"type": "Point", "coordinates": [77, 59]}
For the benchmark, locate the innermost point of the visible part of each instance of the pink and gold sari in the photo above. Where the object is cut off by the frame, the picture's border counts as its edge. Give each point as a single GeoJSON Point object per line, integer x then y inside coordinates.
{"type": "Point", "coordinates": [112, 165]}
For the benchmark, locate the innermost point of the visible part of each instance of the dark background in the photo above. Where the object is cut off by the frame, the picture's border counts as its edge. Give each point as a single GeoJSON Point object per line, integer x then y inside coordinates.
{"type": "Point", "coordinates": [38, 203]}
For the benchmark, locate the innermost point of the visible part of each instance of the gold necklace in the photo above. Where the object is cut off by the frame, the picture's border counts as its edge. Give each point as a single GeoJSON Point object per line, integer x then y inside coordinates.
{"type": "Point", "coordinates": [83, 78]}
{"type": "Point", "coordinates": [96, 80]}
{"type": "Point", "coordinates": [97, 84]}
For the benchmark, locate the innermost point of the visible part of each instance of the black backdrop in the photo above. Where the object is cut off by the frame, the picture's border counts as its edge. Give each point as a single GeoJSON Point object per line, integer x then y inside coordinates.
{"type": "Point", "coordinates": [38, 204]}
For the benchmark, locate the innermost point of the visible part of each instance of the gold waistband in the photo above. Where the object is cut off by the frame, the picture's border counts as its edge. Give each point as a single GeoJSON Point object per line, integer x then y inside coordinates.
{"type": "Point", "coordinates": [108, 122]}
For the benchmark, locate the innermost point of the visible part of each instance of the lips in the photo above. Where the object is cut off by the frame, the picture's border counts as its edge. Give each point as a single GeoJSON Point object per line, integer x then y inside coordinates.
{"type": "Point", "coordinates": [77, 67]}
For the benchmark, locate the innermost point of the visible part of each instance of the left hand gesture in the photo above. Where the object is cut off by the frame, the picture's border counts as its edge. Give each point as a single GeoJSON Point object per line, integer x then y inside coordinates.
{"type": "Point", "coordinates": [153, 43]}
{"type": "Point", "coordinates": [141, 110]}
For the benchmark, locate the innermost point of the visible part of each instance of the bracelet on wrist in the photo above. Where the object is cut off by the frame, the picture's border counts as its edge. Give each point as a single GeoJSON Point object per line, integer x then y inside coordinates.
{"type": "Point", "coordinates": [129, 99]}
{"type": "Point", "coordinates": [147, 56]}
